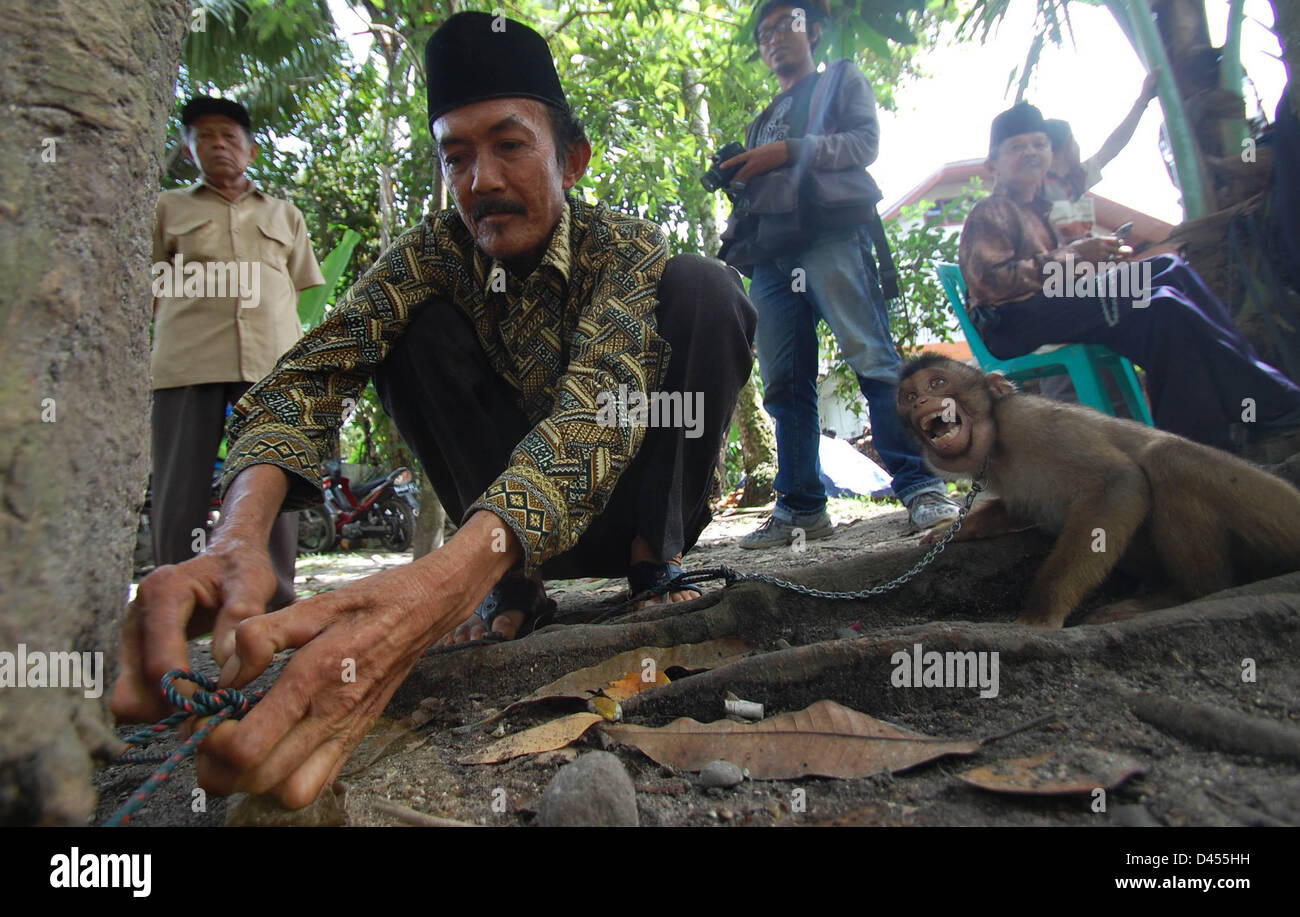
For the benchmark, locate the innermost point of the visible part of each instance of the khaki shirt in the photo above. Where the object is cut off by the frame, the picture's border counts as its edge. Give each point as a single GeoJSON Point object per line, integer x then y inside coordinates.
{"type": "Point", "coordinates": [231, 310]}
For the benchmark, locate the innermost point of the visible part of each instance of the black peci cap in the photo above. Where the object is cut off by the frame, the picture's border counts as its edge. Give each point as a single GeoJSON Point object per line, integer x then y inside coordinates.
{"type": "Point", "coordinates": [477, 56]}
{"type": "Point", "coordinates": [199, 106]}
{"type": "Point", "coordinates": [1019, 119]}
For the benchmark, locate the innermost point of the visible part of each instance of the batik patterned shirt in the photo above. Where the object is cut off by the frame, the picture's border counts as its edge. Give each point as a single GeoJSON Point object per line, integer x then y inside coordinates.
{"type": "Point", "coordinates": [1004, 245]}
{"type": "Point", "coordinates": [582, 323]}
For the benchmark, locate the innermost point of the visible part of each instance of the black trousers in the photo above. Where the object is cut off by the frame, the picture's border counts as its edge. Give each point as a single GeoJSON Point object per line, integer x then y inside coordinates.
{"type": "Point", "coordinates": [463, 421]}
{"type": "Point", "coordinates": [188, 423]}
{"type": "Point", "coordinates": [1199, 367]}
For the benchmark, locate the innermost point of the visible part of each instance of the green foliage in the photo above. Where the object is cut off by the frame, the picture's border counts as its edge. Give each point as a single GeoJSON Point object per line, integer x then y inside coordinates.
{"type": "Point", "coordinates": [311, 302]}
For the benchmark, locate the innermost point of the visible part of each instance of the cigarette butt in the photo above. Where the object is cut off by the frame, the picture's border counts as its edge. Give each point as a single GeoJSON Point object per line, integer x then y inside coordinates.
{"type": "Point", "coordinates": [744, 708]}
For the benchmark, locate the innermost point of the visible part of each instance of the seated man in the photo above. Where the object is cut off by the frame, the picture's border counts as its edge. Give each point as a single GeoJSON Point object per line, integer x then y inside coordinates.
{"type": "Point", "coordinates": [1025, 290]}
{"type": "Point", "coordinates": [496, 333]}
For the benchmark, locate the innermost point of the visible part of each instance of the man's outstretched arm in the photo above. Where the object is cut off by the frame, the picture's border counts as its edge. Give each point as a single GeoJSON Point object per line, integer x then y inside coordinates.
{"type": "Point", "coordinates": [356, 645]}
{"type": "Point", "coordinates": [1120, 137]}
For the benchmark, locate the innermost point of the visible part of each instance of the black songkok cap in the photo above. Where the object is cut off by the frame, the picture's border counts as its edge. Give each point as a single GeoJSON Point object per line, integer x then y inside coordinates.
{"type": "Point", "coordinates": [478, 56]}
{"type": "Point", "coordinates": [199, 106]}
{"type": "Point", "coordinates": [1020, 119]}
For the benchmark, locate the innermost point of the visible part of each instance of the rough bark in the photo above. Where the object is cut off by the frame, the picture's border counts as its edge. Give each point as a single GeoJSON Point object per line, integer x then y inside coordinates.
{"type": "Point", "coordinates": [757, 445]}
{"type": "Point", "coordinates": [86, 86]}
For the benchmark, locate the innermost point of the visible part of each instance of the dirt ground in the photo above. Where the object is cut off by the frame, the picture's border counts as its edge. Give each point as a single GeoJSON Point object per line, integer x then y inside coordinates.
{"type": "Point", "coordinates": [1080, 689]}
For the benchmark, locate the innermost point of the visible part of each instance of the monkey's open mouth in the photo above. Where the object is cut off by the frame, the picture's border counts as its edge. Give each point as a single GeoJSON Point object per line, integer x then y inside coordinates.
{"type": "Point", "coordinates": [939, 430]}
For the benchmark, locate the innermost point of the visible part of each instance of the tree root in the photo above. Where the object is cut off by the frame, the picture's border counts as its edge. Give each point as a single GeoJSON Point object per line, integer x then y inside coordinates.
{"type": "Point", "coordinates": [858, 672]}
{"type": "Point", "coordinates": [1217, 728]}
{"type": "Point", "coordinates": [759, 613]}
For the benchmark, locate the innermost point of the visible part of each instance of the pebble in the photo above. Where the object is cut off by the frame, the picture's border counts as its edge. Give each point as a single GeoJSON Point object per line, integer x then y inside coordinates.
{"type": "Point", "coordinates": [593, 791]}
{"type": "Point", "coordinates": [720, 774]}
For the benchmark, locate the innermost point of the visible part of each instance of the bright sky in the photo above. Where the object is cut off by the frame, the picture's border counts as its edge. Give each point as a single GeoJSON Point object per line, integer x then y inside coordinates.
{"type": "Point", "coordinates": [1092, 82]}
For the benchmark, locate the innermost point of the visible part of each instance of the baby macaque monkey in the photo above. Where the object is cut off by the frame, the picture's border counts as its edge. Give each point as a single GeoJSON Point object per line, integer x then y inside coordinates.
{"type": "Point", "coordinates": [1102, 484]}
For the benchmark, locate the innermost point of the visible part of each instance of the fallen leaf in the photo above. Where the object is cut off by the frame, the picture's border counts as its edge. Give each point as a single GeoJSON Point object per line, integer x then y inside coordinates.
{"type": "Point", "coordinates": [825, 740]}
{"type": "Point", "coordinates": [585, 682]}
{"type": "Point", "coordinates": [546, 737]}
{"type": "Point", "coordinates": [633, 683]}
{"type": "Point", "coordinates": [1079, 770]}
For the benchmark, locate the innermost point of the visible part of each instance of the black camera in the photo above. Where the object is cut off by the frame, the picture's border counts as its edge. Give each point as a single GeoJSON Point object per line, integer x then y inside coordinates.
{"type": "Point", "coordinates": [716, 178]}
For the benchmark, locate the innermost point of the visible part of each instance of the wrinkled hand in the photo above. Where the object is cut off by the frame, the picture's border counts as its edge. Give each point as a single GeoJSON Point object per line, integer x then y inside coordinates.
{"type": "Point", "coordinates": [758, 161]}
{"type": "Point", "coordinates": [215, 591]}
{"type": "Point", "coordinates": [355, 647]}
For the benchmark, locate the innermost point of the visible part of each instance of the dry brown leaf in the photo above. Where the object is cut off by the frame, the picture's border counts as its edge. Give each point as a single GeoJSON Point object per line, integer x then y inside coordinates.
{"type": "Point", "coordinates": [633, 683]}
{"type": "Point", "coordinates": [826, 740]}
{"type": "Point", "coordinates": [585, 682]}
{"type": "Point", "coordinates": [1079, 770]}
{"type": "Point", "coordinates": [546, 737]}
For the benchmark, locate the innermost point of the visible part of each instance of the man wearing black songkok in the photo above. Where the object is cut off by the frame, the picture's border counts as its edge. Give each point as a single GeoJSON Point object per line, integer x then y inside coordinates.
{"type": "Point", "coordinates": [565, 384]}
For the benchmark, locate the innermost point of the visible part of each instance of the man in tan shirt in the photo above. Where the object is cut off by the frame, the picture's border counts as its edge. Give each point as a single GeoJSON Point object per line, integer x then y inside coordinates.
{"type": "Point", "coordinates": [229, 261]}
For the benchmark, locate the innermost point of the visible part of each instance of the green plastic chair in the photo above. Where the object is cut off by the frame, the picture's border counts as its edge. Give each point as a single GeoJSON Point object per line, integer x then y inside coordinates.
{"type": "Point", "coordinates": [1083, 362]}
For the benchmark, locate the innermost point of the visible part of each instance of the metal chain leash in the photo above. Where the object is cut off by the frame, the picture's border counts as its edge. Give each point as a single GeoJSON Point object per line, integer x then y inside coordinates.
{"type": "Point", "coordinates": [735, 576]}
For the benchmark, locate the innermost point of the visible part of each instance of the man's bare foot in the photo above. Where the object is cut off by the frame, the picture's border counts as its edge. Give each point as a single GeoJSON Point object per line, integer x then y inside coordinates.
{"type": "Point", "coordinates": [641, 553]}
{"type": "Point", "coordinates": [505, 623]}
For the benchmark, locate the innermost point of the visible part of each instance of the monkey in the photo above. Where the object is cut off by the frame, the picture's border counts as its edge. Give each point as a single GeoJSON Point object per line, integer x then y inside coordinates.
{"type": "Point", "coordinates": [1102, 484]}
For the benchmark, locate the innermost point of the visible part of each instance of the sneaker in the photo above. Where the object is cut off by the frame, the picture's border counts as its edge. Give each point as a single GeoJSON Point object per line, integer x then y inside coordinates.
{"type": "Point", "coordinates": [930, 509]}
{"type": "Point", "coordinates": [776, 531]}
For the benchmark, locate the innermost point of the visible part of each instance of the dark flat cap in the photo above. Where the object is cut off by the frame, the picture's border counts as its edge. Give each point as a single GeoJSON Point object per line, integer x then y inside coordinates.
{"type": "Point", "coordinates": [1019, 119]}
{"type": "Point", "coordinates": [199, 106]}
{"type": "Point", "coordinates": [477, 56]}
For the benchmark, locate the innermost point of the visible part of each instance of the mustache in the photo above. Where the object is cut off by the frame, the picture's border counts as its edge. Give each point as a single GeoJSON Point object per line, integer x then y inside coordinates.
{"type": "Point", "coordinates": [495, 205]}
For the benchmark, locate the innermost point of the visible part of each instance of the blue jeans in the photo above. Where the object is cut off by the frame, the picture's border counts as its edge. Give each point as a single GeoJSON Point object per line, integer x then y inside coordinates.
{"type": "Point", "coordinates": [836, 280]}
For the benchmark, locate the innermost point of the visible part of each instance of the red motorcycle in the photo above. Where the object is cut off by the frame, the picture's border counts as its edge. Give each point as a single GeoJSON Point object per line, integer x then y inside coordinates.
{"type": "Point", "coordinates": [372, 509]}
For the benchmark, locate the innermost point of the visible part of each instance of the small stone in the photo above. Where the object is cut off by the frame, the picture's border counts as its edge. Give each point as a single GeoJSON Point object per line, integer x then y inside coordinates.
{"type": "Point", "coordinates": [267, 812]}
{"type": "Point", "coordinates": [593, 791]}
{"type": "Point", "coordinates": [720, 774]}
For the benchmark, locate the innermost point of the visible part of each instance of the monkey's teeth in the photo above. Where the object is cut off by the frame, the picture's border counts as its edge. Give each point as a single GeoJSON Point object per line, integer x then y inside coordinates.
{"type": "Point", "coordinates": [952, 431]}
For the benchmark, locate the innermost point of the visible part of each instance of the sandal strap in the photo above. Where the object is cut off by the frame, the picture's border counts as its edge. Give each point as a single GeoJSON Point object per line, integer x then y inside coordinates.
{"type": "Point", "coordinates": [647, 579]}
{"type": "Point", "coordinates": [518, 593]}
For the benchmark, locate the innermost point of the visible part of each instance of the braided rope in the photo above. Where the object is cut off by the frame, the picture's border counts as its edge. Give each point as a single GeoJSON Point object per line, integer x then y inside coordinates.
{"type": "Point", "coordinates": [208, 701]}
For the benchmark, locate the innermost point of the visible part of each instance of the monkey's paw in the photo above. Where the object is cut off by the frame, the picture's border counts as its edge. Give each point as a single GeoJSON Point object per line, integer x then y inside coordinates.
{"type": "Point", "coordinates": [935, 535]}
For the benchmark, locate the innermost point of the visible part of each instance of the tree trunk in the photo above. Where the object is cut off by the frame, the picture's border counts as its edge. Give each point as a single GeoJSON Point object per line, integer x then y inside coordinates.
{"type": "Point", "coordinates": [86, 86]}
{"type": "Point", "coordinates": [433, 519]}
{"type": "Point", "coordinates": [697, 108]}
{"type": "Point", "coordinates": [1287, 26]}
{"type": "Point", "coordinates": [757, 445]}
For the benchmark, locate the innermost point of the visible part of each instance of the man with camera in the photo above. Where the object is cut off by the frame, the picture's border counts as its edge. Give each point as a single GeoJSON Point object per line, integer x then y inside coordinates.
{"type": "Point", "coordinates": [802, 229]}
